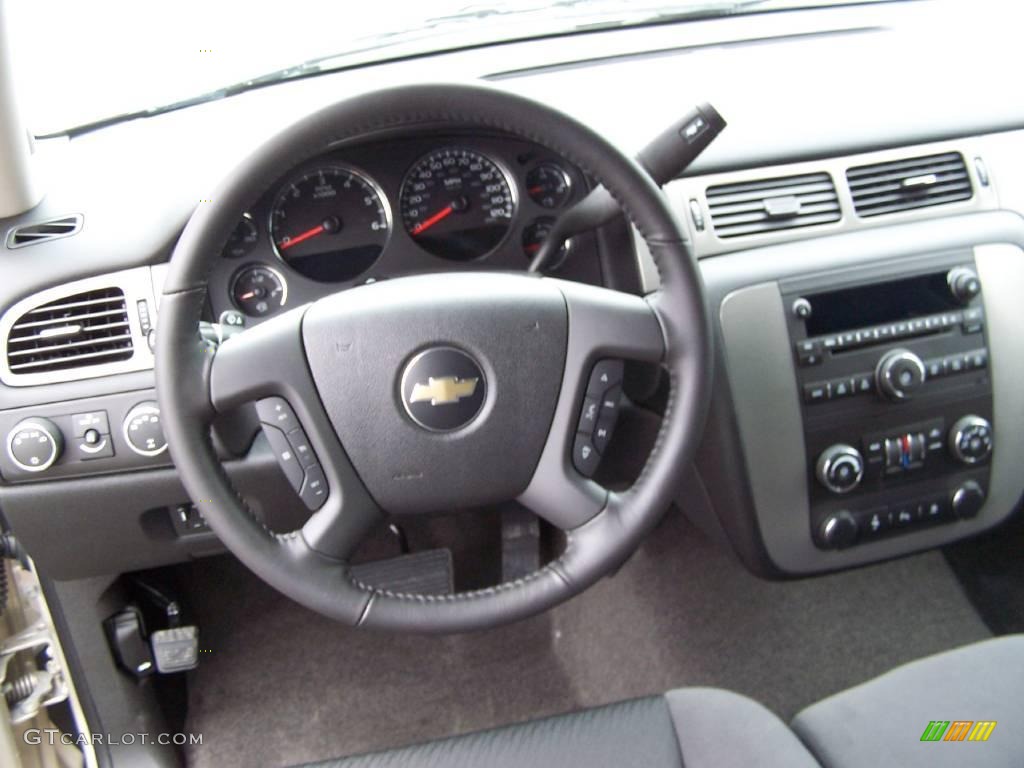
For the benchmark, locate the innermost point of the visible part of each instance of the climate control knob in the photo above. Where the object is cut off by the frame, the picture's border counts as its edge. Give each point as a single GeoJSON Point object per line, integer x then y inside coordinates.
{"type": "Point", "coordinates": [900, 373]}
{"type": "Point", "coordinates": [840, 468]}
{"type": "Point", "coordinates": [142, 430]}
{"type": "Point", "coordinates": [35, 444]}
{"type": "Point", "coordinates": [970, 439]}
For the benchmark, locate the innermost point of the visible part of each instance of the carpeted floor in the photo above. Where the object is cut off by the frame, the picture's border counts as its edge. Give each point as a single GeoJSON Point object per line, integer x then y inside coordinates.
{"type": "Point", "coordinates": [282, 686]}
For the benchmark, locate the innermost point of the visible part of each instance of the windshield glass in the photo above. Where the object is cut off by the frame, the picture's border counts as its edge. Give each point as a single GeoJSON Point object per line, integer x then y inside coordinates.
{"type": "Point", "coordinates": [82, 62]}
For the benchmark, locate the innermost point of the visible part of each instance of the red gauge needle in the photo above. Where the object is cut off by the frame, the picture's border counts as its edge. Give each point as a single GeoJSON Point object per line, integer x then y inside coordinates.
{"type": "Point", "coordinates": [319, 229]}
{"type": "Point", "coordinates": [535, 190]}
{"type": "Point", "coordinates": [426, 224]}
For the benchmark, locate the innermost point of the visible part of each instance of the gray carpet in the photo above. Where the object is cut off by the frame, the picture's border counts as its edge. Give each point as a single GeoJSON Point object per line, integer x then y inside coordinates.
{"type": "Point", "coordinates": [282, 686]}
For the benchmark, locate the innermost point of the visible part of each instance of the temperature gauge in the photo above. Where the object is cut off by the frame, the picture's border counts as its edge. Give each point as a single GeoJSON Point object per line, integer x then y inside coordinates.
{"type": "Point", "coordinates": [534, 236]}
{"type": "Point", "coordinates": [259, 290]}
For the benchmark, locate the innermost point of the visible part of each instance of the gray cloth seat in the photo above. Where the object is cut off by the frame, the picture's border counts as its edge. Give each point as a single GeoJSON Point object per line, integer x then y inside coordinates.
{"type": "Point", "coordinates": [879, 723]}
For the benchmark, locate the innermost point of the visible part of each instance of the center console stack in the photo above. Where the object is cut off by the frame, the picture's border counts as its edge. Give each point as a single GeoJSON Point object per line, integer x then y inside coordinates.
{"type": "Point", "coordinates": [896, 398]}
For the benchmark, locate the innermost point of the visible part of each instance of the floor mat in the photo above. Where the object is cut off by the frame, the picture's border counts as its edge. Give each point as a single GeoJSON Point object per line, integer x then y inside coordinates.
{"type": "Point", "coordinates": [280, 685]}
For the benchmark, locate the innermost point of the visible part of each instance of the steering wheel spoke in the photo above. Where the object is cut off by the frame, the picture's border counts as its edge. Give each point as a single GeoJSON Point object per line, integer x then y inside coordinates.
{"type": "Point", "coordinates": [604, 325]}
{"type": "Point", "coordinates": [267, 364]}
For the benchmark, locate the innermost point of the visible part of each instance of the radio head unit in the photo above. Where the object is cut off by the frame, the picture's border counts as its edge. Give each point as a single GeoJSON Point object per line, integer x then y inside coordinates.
{"type": "Point", "coordinates": [893, 373]}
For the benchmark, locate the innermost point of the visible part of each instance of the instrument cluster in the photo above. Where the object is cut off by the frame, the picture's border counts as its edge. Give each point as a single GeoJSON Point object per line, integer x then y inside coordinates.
{"type": "Point", "coordinates": [402, 206]}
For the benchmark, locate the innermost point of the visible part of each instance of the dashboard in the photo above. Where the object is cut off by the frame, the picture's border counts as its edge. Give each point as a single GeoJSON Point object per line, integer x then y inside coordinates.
{"type": "Point", "coordinates": [396, 206]}
{"type": "Point", "coordinates": [448, 200]}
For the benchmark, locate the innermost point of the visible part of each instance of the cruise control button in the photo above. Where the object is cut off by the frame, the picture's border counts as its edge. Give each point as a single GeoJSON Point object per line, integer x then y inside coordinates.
{"type": "Point", "coordinates": [605, 374]}
{"type": "Point", "coordinates": [588, 415]}
{"type": "Point", "coordinates": [314, 488]}
{"type": "Point", "coordinates": [276, 411]}
{"type": "Point", "coordinates": [285, 455]}
{"type": "Point", "coordinates": [303, 450]}
{"type": "Point", "coordinates": [585, 456]}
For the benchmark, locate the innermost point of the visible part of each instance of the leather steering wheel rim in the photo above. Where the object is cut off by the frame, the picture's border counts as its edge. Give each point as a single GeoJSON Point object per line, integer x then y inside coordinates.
{"type": "Point", "coordinates": [310, 565]}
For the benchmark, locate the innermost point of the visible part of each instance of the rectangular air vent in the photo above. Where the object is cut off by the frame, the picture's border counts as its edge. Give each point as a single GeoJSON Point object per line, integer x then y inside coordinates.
{"type": "Point", "coordinates": [903, 185]}
{"type": "Point", "coordinates": [769, 205]}
{"type": "Point", "coordinates": [42, 231]}
{"type": "Point", "coordinates": [86, 329]}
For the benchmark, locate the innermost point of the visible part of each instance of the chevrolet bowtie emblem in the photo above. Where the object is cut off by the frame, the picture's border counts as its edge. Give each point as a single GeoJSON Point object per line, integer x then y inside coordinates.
{"type": "Point", "coordinates": [443, 390]}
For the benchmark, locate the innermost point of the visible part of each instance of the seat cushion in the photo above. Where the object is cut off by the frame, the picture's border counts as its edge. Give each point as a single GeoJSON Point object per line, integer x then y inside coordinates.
{"type": "Point", "coordinates": [882, 722]}
{"type": "Point", "coordinates": [691, 728]}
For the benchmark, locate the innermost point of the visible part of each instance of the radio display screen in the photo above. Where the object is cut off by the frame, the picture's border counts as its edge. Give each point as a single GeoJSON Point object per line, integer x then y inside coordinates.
{"type": "Point", "coordinates": [879, 303]}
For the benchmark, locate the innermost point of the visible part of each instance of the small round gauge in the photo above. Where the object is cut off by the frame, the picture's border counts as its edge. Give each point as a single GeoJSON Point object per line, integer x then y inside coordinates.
{"type": "Point", "coordinates": [457, 204]}
{"type": "Point", "coordinates": [243, 238]}
{"type": "Point", "coordinates": [548, 185]}
{"type": "Point", "coordinates": [330, 224]}
{"type": "Point", "coordinates": [258, 290]}
{"type": "Point", "coordinates": [534, 236]}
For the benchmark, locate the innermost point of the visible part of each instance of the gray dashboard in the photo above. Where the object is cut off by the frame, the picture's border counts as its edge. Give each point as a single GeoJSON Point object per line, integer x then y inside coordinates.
{"type": "Point", "coordinates": [136, 184]}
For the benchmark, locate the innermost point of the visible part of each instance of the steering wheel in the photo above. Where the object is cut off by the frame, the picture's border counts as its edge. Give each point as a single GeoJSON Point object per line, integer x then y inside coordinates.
{"type": "Point", "coordinates": [378, 376]}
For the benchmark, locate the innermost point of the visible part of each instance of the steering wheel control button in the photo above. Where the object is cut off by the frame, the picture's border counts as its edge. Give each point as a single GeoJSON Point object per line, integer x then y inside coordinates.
{"type": "Point", "coordinates": [285, 455]}
{"type": "Point", "coordinates": [605, 375]}
{"type": "Point", "coordinates": [142, 430]}
{"type": "Point", "coordinates": [588, 415]}
{"type": "Point", "coordinates": [585, 456]}
{"type": "Point", "coordinates": [442, 389]}
{"type": "Point", "coordinates": [840, 468]}
{"type": "Point", "coordinates": [93, 420]}
{"type": "Point", "coordinates": [278, 413]}
{"type": "Point", "coordinates": [314, 488]}
{"type": "Point", "coordinates": [34, 445]}
{"type": "Point", "coordinates": [603, 431]}
{"type": "Point", "coordinates": [300, 445]}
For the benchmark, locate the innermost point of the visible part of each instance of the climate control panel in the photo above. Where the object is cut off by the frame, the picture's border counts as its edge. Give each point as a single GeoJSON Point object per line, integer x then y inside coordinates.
{"type": "Point", "coordinates": [98, 435]}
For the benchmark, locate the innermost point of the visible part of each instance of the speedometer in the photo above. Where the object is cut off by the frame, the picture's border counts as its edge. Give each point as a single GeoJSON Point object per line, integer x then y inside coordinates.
{"type": "Point", "coordinates": [457, 204]}
{"type": "Point", "coordinates": [330, 224]}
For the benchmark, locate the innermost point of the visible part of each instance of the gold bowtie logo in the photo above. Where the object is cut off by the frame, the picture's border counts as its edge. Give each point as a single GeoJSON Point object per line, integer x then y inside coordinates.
{"type": "Point", "coordinates": [443, 391]}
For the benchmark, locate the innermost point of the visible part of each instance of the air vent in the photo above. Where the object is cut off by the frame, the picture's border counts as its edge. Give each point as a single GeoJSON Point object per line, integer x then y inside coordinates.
{"type": "Point", "coordinates": [40, 232]}
{"type": "Point", "coordinates": [86, 329]}
{"type": "Point", "coordinates": [903, 185]}
{"type": "Point", "coordinates": [769, 205]}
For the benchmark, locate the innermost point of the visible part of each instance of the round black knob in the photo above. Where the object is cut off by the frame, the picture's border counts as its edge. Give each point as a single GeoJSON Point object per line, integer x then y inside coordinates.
{"type": "Point", "coordinates": [963, 284]}
{"type": "Point", "coordinates": [35, 444]}
{"type": "Point", "coordinates": [840, 468]}
{"type": "Point", "coordinates": [142, 430]}
{"type": "Point", "coordinates": [968, 499]}
{"type": "Point", "coordinates": [900, 373]}
{"type": "Point", "coordinates": [970, 439]}
{"type": "Point", "coordinates": [838, 530]}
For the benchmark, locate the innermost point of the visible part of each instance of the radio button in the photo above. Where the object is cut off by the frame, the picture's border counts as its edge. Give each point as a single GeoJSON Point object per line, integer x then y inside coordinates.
{"type": "Point", "coordinates": [863, 383]}
{"type": "Point", "coordinates": [976, 360]}
{"type": "Point", "coordinates": [936, 368]}
{"type": "Point", "coordinates": [955, 364]}
{"type": "Point", "coordinates": [841, 388]}
{"type": "Point", "coordinates": [816, 392]}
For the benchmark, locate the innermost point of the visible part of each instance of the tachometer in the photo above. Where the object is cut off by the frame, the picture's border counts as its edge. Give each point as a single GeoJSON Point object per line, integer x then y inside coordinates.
{"type": "Point", "coordinates": [330, 224]}
{"type": "Point", "coordinates": [457, 204]}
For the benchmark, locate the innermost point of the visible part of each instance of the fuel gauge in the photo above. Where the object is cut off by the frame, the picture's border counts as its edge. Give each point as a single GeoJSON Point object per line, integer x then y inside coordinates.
{"type": "Point", "coordinates": [258, 290]}
{"type": "Point", "coordinates": [534, 236]}
{"type": "Point", "coordinates": [549, 186]}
